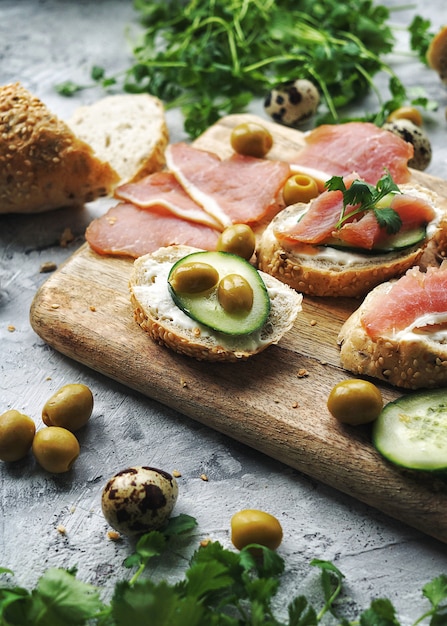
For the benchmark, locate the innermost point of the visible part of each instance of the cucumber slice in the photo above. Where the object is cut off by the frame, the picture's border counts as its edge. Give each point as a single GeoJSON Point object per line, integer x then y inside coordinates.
{"type": "Point", "coordinates": [393, 243]}
{"type": "Point", "coordinates": [205, 307]}
{"type": "Point", "coordinates": [412, 431]}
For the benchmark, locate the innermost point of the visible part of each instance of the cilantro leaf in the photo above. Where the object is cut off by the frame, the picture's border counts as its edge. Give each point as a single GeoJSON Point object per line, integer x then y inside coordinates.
{"type": "Point", "coordinates": [362, 196]}
{"type": "Point", "coordinates": [380, 613]}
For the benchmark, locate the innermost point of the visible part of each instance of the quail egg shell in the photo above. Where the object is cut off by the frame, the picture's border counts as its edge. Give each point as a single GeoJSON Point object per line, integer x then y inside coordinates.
{"type": "Point", "coordinates": [139, 499]}
{"type": "Point", "coordinates": [408, 131]}
{"type": "Point", "coordinates": [292, 103]}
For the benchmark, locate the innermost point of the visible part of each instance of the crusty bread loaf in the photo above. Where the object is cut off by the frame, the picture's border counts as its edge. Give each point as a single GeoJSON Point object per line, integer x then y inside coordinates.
{"type": "Point", "coordinates": [327, 272]}
{"type": "Point", "coordinates": [128, 131]}
{"type": "Point", "coordinates": [43, 164]}
{"type": "Point", "coordinates": [409, 363]}
{"type": "Point", "coordinates": [156, 313]}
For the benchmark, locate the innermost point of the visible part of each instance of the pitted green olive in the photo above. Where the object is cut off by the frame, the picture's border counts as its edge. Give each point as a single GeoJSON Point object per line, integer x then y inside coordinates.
{"type": "Point", "coordinates": [253, 526]}
{"type": "Point", "coordinates": [238, 239]}
{"type": "Point", "coordinates": [299, 188]}
{"type": "Point", "coordinates": [16, 435]}
{"type": "Point", "coordinates": [55, 449]}
{"type": "Point", "coordinates": [235, 294]}
{"type": "Point", "coordinates": [194, 277]}
{"type": "Point", "coordinates": [251, 139]}
{"type": "Point", "coordinates": [70, 407]}
{"type": "Point", "coordinates": [355, 401]}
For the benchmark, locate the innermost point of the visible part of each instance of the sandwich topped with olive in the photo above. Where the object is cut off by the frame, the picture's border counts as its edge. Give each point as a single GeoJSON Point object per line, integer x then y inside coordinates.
{"type": "Point", "coordinates": [210, 305]}
{"type": "Point", "coordinates": [353, 236]}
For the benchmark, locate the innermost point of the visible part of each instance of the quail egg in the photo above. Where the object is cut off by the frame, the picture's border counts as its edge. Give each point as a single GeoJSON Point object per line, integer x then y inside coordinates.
{"type": "Point", "coordinates": [411, 133]}
{"type": "Point", "coordinates": [139, 499]}
{"type": "Point", "coordinates": [292, 103]}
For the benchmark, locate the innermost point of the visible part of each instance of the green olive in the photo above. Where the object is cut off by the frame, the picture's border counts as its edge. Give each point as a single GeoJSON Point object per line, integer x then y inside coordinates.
{"type": "Point", "coordinates": [16, 435]}
{"type": "Point", "coordinates": [235, 294]}
{"type": "Point", "coordinates": [406, 113]}
{"type": "Point", "coordinates": [55, 449]}
{"type": "Point", "coordinates": [253, 526]}
{"type": "Point", "coordinates": [355, 401]}
{"type": "Point", "coordinates": [300, 188]}
{"type": "Point", "coordinates": [251, 139]}
{"type": "Point", "coordinates": [238, 239]}
{"type": "Point", "coordinates": [70, 407]}
{"type": "Point", "coordinates": [194, 277]}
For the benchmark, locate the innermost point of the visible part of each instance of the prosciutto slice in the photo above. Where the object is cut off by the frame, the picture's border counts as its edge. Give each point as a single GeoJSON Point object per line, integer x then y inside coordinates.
{"type": "Point", "coordinates": [162, 190]}
{"type": "Point", "coordinates": [126, 230]}
{"type": "Point", "coordinates": [360, 147]}
{"type": "Point", "coordinates": [240, 189]}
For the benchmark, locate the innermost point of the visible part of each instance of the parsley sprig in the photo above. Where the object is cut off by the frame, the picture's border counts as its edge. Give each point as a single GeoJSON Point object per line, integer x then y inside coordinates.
{"type": "Point", "coordinates": [212, 57]}
{"type": "Point", "coordinates": [221, 587]}
{"type": "Point", "coordinates": [362, 196]}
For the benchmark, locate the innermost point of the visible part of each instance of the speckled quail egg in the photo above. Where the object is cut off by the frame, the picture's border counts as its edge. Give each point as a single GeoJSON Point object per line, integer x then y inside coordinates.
{"type": "Point", "coordinates": [139, 499]}
{"type": "Point", "coordinates": [292, 103]}
{"type": "Point", "coordinates": [411, 133]}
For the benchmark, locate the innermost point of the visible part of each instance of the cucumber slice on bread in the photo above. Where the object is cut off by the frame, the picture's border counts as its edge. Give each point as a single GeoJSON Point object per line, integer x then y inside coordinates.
{"type": "Point", "coordinates": [400, 241]}
{"type": "Point", "coordinates": [412, 431]}
{"type": "Point", "coordinates": [205, 306]}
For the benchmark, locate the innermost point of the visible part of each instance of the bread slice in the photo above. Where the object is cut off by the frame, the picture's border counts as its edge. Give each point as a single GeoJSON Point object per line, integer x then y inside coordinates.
{"type": "Point", "coordinates": [325, 271]}
{"type": "Point", "coordinates": [156, 313]}
{"type": "Point", "coordinates": [128, 131]}
{"type": "Point", "coordinates": [411, 362]}
{"type": "Point", "coordinates": [43, 164]}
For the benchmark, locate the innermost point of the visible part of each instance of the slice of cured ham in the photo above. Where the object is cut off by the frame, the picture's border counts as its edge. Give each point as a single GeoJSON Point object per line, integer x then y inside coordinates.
{"type": "Point", "coordinates": [319, 222]}
{"type": "Point", "coordinates": [126, 230]}
{"type": "Point", "coordinates": [162, 190]}
{"type": "Point", "coordinates": [239, 189]}
{"type": "Point", "coordinates": [356, 147]}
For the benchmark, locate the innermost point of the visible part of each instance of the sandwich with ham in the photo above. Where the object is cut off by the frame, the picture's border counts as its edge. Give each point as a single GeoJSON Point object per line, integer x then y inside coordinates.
{"type": "Point", "coordinates": [353, 236]}
{"type": "Point", "coordinates": [399, 333]}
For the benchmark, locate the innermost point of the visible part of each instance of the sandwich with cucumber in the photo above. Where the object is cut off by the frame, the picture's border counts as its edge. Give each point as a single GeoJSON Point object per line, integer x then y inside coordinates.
{"type": "Point", "coordinates": [353, 236]}
{"type": "Point", "coordinates": [210, 305]}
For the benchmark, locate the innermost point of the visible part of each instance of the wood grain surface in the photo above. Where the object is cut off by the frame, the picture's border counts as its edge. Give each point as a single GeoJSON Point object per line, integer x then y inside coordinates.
{"type": "Point", "coordinates": [274, 402]}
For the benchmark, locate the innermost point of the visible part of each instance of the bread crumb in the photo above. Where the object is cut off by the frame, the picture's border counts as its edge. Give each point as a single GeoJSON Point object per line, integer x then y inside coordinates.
{"type": "Point", "coordinates": [295, 405]}
{"type": "Point", "coordinates": [176, 473]}
{"type": "Point", "coordinates": [313, 322]}
{"type": "Point", "coordinates": [113, 535]}
{"type": "Point", "coordinates": [204, 477]}
{"type": "Point", "coordinates": [48, 266]}
{"type": "Point", "coordinates": [61, 529]}
{"type": "Point", "coordinates": [55, 305]}
{"type": "Point", "coordinates": [11, 328]}
{"type": "Point", "coordinates": [92, 308]}
{"type": "Point", "coordinates": [302, 373]}
{"type": "Point", "coordinates": [66, 238]}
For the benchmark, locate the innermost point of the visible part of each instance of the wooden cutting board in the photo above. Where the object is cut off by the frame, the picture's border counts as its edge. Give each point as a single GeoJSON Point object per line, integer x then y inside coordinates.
{"type": "Point", "coordinates": [274, 402]}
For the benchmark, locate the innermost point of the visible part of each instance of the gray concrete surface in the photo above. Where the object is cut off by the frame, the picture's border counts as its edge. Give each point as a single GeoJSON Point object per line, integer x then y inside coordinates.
{"type": "Point", "coordinates": [45, 42]}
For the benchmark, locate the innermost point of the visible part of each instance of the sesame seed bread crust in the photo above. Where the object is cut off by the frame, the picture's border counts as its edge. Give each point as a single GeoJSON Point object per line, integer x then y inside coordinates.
{"type": "Point", "coordinates": [44, 165]}
{"type": "Point", "coordinates": [129, 131]}
{"type": "Point", "coordinates": [316, 275]}
{"type": "Point", "coordinates": [195, 340]}
{"type": "Point", "coordinates": [409, 364]}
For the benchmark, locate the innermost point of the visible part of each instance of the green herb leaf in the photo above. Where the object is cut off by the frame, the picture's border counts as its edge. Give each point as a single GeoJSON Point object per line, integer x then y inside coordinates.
{"type": "Point", "coordinates": [362, 197]}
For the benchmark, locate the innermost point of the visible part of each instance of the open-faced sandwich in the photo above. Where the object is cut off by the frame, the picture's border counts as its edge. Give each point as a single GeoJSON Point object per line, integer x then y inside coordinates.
{"type": "Point", "coordinates": [399, 332]}
{"type": "Point", "coordinates": [210, 305]}
{"type": "Point", "coordinates": [352, 236]}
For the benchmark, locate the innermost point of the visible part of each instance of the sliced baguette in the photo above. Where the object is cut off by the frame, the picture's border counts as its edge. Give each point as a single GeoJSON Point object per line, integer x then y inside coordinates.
{"type": "Point", "coordinates": [320, 271]}
{"type": "Point", "coordinates": [128, 131]}
{"type": "Point", "coordinates": [156, 313]}
{"type": "Point", "coordinates": [409, 363]}
{"type": "Point", "coordinates": [44, 165]}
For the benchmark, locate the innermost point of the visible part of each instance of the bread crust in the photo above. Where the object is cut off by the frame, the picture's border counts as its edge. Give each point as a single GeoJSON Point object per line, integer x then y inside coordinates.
{"type": "Point", "coordinates": [315, 275]}
{"type": "Point", "coordinates": [409, 364]}
{"type": "Point", "coordinates": [44, 165]}
{"type": "Point", "coordinates": [195, 340]}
